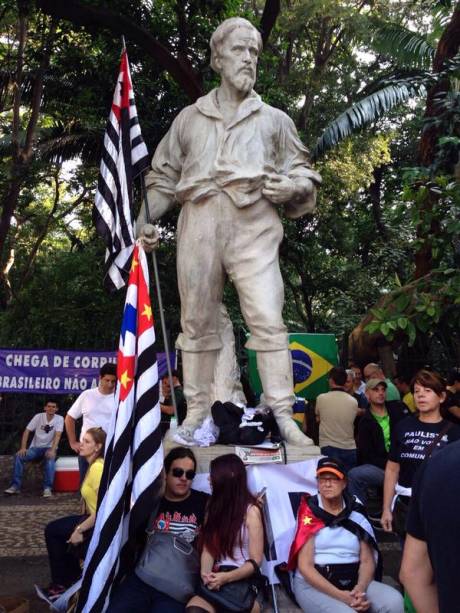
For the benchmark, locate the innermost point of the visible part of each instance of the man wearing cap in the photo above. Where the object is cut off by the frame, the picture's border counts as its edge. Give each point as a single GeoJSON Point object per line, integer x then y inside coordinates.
{"type": "Point", "coordinates": [374, 435]}
{"type": "Point", "coordinates": [374, 371]}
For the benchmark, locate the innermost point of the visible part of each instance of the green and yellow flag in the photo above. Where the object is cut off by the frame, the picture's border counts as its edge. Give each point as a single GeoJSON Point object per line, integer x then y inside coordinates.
{"type": "Point", "coordinates": [313, 356]}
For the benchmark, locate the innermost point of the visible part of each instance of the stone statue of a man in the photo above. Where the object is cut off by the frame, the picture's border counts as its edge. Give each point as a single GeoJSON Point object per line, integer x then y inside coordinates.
{"type": "Point", "coordinates": [230, 160]}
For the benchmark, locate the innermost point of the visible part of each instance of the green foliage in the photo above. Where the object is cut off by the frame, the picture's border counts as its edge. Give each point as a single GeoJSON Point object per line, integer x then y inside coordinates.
{"type": "Point", "coordinates": [419, 307]}
{"type": "Point", "coordinates": [361, 242]}
{"type": "Point", "coordinates": [65, 305]}
{"type": "Point", "coordinates": [350, 167]}
{"type": "Point", "coordinates": [408, 48]}
{"type": "Point", "coordinates": [368, 110]}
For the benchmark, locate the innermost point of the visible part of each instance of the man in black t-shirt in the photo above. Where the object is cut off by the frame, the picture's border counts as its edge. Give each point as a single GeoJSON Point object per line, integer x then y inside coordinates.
{"type": "Point", "coordinates": [433, 535]}
{"type": "Point", "coordinates": [181, 511]}
{"type": "Point", "coordinates": [375, 431]}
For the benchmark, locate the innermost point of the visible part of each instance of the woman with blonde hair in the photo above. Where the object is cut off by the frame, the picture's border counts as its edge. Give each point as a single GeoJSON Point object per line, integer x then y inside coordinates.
{"type": "Point", "coordinates": [76, 530]}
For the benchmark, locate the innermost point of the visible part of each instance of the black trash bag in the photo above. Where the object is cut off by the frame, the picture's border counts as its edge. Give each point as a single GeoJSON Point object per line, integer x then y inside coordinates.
{"type": "Point", "coordinates": [227, 417]}
{"type": "Point", "coordinates": [254, 431]}
{"type": "Point", "coordinates": [233, 430]}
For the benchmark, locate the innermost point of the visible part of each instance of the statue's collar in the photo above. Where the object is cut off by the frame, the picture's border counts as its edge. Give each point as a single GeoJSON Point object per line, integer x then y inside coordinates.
{"type": "Point", "coordinates": [209, 105]}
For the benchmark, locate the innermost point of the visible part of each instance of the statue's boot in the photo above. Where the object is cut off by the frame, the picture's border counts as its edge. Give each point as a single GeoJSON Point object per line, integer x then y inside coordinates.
{"type": "Point", "coordinates": [275, 372]}
{"type": "Point", "coordinates": [198, 373]}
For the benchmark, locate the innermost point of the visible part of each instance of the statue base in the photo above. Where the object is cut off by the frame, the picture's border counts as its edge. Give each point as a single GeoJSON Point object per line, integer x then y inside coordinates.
{"type": "Point", "coordinates": [204, 455]}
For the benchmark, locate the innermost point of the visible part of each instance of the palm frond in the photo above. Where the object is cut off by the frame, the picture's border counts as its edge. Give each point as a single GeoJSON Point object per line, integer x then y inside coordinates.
{"type": "Point", "coordinates": [408, 48]}
{"type": "Point", "coordinates": [366, 111]}
{"type": "Point", "coordinates": [86, 145]}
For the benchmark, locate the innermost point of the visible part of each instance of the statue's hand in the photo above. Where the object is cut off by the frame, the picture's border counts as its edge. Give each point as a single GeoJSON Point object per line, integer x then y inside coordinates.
{"type": "Point", "coordinates": [149, 237]}
{"type": "Point", "coordinates": [279, 188]}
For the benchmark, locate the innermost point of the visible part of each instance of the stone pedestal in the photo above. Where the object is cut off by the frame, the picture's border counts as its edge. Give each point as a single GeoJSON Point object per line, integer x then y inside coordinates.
{"type": "Point", "coordinates": [204, 455]}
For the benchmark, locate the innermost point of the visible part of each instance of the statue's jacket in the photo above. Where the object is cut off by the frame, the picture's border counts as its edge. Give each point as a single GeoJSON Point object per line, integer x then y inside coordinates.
{"type": "Point", "coordinates": [200, 157]}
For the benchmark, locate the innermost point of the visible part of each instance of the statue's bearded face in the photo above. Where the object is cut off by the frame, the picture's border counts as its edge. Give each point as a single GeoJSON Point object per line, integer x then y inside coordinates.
{"type": "Point", "coordinates": [237, 59]}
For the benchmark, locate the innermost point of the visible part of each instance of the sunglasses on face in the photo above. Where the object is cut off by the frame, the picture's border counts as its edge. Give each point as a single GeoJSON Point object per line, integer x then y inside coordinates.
{"type": "Point", "coordinates": [179, 472]}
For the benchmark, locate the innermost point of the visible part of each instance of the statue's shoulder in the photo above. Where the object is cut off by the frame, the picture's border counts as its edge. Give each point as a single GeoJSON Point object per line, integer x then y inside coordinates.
{"type": "Point", "coordinates": [277, 114]}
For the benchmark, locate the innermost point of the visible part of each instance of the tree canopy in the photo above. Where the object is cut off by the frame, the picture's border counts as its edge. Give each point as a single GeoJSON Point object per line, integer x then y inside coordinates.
{"type": "Point", "coordinates": [373, 90]}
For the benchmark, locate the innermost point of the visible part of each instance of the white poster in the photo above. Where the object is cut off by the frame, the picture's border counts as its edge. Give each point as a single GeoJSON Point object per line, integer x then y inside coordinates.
{"type": "Point", "coordinates": [284, 483]}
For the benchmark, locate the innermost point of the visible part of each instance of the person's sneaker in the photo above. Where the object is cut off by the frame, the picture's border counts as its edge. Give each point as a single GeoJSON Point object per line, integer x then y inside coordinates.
{"type": "Point", "coordinates": [13, 489]}
{"type": "Point", "coordinates": [50, 593]}
{"type": "Point", "coordinates": [47, 493]}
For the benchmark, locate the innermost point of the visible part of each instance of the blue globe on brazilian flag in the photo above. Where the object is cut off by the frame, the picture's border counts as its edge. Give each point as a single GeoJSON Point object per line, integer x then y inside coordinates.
{"type": "Point", "coordinates": [313, 356]}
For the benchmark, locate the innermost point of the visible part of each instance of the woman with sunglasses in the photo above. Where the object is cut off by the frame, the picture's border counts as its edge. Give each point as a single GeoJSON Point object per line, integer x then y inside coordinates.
{"type": "Point", "coordinates": [181, 512]}
{"type": "Point", "coordinates": [232, 537]}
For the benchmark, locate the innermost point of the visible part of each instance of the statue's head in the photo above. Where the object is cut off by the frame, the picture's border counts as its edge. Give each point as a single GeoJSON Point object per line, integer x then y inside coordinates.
{"type": "Point", "coordinates": [235, 47]}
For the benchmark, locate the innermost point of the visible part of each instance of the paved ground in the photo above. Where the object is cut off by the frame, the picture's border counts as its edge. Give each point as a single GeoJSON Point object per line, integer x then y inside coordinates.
{"type": "Point", "coordinates": [23, 559]}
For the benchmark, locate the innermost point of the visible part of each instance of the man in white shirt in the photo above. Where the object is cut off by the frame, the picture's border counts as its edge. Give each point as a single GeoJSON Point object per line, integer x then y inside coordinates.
{"type": "Point", "coordinates": [96, 407]}
{"type": "Point", "coordinates": [47, 428]}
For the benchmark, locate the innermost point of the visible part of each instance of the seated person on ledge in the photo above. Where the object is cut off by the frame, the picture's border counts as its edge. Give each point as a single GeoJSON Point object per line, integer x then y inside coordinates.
{"type": "Point", "coordinates": [47, 428]}
{"type": "Point", "coordinates": [181, 512]}
{"type": "Point", "coordinates": [233, 540]}
{"type": "Point", "coordinates": [67, 538]}
{"type": "Point", "coordinates": [334, 553]}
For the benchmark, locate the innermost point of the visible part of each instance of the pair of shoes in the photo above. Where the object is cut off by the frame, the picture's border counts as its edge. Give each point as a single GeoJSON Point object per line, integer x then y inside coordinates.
{"type": "Point", "coordinates": [13, 489]}
{"type": "Point", "coordinates": [50, 593]}
{"type": "Point", "coordinates": [47, 493]}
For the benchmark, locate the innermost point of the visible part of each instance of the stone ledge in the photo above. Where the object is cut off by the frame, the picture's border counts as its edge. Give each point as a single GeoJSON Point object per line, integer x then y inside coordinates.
{"type": "Point", "coordinates": [204, 455]}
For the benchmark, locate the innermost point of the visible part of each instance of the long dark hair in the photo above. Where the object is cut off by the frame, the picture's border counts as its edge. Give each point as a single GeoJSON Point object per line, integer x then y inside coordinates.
{"type": "Point", "coordinates": [227, 507]}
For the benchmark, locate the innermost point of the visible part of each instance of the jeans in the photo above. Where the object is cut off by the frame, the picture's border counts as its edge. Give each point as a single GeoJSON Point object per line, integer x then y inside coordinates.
{"type": "Point", "coordinates": [135, 595]}
{"type": "Point", "coordinates": [34, 453]}
{"type": "Point", "coordinates": [362, 477]}
{"type": "Point", "coordinates": [383, 599]}
{"type": "Point", "coordinates": [64, 563]}
{"type": "Point", "coordinates": [347, 456]}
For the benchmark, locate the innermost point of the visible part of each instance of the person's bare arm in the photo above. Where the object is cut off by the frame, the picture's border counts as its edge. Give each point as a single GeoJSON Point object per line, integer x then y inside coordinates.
{"type": "Point", "coordinates": [70, 429]}
{"type": "Point", "coordinates": [206, 564]}
{"type": "Point", "coordinates": [306, 566]}
{"type": "Point", "coordinates": [455, 411]}
{"type": "Point", "coordinates": [23, 448]}
{"type": "Point", "coordinates": [366, 566]}
{"type": "Point", "coordinates": [51, 453]}
{"type": "Point", "coordinates": [417, 576]}
{"type": "Point", "coordinates": [256, 551]}
{"type": "Point", "coordinates": [77, 535]}
{"type": "Point", "coordinates": [389, 484]}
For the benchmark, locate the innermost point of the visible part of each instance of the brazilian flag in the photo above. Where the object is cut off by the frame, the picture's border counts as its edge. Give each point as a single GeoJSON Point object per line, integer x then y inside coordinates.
{"type": "Point", "coordinates": [313, 356]}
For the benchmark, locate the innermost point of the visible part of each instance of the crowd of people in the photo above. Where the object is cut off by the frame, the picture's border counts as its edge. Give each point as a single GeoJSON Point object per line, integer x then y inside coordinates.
{"type": "Point", "coordinates": [373, 441]}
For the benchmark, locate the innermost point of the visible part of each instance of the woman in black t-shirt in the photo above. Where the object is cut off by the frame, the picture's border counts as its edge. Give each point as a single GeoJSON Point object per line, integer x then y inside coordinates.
{"type": "Point", "coordinates": [415, 439]}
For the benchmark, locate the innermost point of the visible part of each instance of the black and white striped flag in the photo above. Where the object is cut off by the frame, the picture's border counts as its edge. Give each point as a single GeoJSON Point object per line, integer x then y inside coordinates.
{"type": "Point", "coordinates": [124, 156]}
{"type": "Point", "coordinates": [134, 458]}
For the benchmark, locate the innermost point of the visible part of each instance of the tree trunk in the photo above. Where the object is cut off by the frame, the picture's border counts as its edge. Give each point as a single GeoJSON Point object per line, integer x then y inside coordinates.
{"type": "Point", "coordinates": [375, 189]}
{"type": "Point", "coordinates": [447, 48]}
{"type": "Point", "coordinates": [386, 359]}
